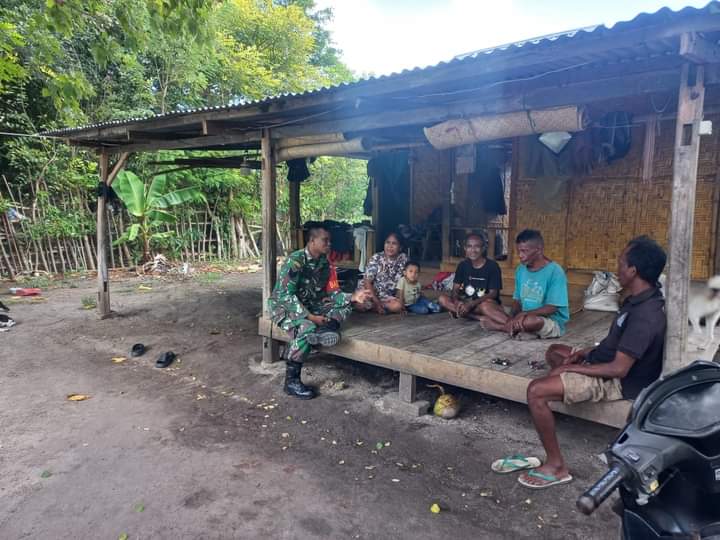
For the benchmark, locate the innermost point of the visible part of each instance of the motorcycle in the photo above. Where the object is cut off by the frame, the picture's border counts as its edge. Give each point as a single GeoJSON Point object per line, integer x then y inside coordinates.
{"type": "Point", "coordinates": [666, 461]}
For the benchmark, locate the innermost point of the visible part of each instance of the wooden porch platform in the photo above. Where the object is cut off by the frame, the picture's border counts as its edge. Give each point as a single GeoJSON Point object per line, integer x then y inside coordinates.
{"type": "Point", "coordinates": [460, 353]}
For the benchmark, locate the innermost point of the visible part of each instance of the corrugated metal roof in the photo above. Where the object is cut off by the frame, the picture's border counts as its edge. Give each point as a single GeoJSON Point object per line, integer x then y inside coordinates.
{"type": "Point", "coordinates": [644, 19]}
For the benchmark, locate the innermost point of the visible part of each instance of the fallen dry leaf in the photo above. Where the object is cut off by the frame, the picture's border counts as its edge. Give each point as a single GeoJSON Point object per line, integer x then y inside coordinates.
{"type": "Point", "coordinates": [118, 359]}
{"type": "Point", "coordinates": [77, 397]}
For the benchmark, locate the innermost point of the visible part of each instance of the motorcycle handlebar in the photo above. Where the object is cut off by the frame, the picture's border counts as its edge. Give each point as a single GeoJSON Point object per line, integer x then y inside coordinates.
{"type": "Point", "coordinates": [588, 502]}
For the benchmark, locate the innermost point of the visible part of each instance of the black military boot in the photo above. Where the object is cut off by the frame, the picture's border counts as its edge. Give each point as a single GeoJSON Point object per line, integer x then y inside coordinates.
{"type": "Point", "coordinates": [293, 384]}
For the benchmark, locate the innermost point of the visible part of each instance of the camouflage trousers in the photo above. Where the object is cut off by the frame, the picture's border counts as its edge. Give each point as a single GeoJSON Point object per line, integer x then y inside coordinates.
{"type": "Point", "coordinates": [298, 349]}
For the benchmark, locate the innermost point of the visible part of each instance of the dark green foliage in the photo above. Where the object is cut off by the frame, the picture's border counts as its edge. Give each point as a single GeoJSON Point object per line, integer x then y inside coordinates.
{"type": "Point", "coordinates": [75, 62]}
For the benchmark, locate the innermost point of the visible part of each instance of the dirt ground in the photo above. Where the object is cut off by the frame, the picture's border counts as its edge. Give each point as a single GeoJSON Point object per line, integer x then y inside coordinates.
{"type": "Point", "coordinates": [212, 448]}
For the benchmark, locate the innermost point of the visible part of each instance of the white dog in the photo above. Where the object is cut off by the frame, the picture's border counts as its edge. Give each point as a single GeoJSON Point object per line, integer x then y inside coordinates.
{"type": "Point", "coordinates": [704, 301]}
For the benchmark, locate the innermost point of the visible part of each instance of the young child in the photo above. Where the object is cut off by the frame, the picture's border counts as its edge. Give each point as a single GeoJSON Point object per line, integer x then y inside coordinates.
{"type": "Point", "coordinates": [408, 291]}
{"type": "Point", "coordinates": [477, 279]}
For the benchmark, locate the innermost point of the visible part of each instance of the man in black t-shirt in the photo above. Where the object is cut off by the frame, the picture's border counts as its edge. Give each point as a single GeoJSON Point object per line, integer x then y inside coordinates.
{"type": "Point", "coordinates": [477, 279]}
{"type": "Point", "coordinates": [625, 362]}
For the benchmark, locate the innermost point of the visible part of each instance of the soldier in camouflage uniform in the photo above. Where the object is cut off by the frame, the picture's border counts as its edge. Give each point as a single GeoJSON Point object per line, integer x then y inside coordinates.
{"type": "Point", "coordinates": [302, 305]}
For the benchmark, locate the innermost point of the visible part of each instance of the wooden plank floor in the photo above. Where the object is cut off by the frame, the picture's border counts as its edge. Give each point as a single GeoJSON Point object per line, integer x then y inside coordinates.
{"type": "Point", "coordinates": [460, 353]}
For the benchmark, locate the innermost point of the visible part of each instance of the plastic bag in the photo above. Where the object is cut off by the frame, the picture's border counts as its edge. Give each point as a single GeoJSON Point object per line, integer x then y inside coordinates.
{"type": "Point", "coordinates": [603, 293]}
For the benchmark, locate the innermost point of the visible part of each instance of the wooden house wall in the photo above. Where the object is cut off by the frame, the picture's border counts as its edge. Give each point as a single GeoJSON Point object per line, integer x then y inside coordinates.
{"type": "Point", "coordinates": [430, 182]}
{"type": "Point", "coordinates": [603, 210]}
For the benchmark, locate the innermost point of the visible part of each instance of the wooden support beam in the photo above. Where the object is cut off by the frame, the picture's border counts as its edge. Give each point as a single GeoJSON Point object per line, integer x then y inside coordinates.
{"type": "Point", "coordinates": [294, 211]}
{"type": "Point", "coordinates": [214, 127]}
{"type": "Point", "coordinates": [119, 164]}
{"type": "Point", "coordinates": [699, 50]}
{"type": "Point", "coordinates": [682, 212]}
{"type": "Point", "coordinates": [269, 238]}
{"type": "Point", "coordinates": [230, 162]}
{"type": "Point", "coordinates": [193, 142]}
{"type": "Point", "coordinates": [103, 279]}
{"type": "Point", "coordinates": [137, 136]}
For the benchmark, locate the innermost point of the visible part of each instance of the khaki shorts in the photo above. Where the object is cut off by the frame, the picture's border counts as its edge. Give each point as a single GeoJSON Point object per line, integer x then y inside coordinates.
{"type": "Point", "coordinates": [550, 329]}
{"type": "Point", "coordinates": [578, 388]}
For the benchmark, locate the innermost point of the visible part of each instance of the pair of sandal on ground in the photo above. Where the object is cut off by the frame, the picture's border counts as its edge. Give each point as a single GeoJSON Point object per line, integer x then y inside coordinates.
{"type": "Point", "coordinates": [530, 478]}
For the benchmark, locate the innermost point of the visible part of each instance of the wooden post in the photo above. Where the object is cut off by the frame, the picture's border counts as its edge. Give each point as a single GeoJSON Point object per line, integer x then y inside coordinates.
{"type": "Point", "coordinates": [106, 179]}
{"type": "Point", "coordinates": [407, 390]}
{"type": "Point", "coordinates": [269, 239]}
{"type": "Point", "coordinates": [102, 269]}
{"type": "Point", "coordinates": [513, 209]}
{"type": "Point", "coordinates": [685, 162]}
{"type": "Point", "coordinates": [294, 211]}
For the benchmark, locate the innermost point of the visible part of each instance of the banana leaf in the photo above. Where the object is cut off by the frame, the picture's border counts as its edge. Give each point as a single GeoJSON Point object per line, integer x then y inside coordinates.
{"type": "Point", "coordinates": [131, 191]}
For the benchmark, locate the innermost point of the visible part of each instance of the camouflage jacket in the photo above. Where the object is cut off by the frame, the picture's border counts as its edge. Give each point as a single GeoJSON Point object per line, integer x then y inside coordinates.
{"type": "Point", "coordinates": [300, 288]}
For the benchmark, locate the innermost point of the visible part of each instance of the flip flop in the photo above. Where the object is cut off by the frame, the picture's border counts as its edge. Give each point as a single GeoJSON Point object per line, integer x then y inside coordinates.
{"type": "Point", "coordinates": [137, 350]}
{"type": "Point", "coordinates": [511, 464]}
{"type": "Point", "coordinates": [165, 359]}
{"type": "Point", "coordinates": [548, 480]}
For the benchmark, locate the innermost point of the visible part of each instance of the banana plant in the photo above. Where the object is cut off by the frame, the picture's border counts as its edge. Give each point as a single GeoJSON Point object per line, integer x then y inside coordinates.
{"type": "Point", "coordinates": [148, 204]}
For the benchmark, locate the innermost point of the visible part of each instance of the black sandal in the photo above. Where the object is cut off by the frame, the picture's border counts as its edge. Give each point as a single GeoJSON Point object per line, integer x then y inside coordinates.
{"type": "Point", "coordinates": [165, 359]}
{"type": "Point", "coordinates": [137, 350]}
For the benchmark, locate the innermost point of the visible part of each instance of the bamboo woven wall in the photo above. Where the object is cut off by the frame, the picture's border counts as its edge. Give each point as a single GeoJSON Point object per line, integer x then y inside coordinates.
{"type": "Point", "coordinates": [612, 204]}
{"type": "Point", "coordinates": [430, 181]}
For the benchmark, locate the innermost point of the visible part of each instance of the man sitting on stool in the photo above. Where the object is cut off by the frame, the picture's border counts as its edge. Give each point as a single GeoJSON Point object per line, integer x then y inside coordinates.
{"type": "Point", "coordinates": [308, 309]}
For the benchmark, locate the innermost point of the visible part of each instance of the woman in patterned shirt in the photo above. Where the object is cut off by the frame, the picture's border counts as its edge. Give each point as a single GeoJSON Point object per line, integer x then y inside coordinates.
{"type": "Point", "coordinates": [381, 277]}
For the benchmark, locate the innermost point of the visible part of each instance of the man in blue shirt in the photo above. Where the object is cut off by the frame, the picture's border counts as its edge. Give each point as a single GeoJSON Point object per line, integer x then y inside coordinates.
{"type": "Point", "coordinates": [540, 301]}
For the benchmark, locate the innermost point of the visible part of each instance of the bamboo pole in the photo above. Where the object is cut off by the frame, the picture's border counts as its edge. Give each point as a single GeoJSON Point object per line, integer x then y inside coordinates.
{"type": "Point", "coordinates": [190, 237]}
{"type": "Point", "coordinates": [309, 139]}
{"type": "Point", "coordinates": [354, 146]}
{"type": "Point", "coordinates": [256, 250]}
{"type": "Point", "coordinates": [8, 264]}
{"type": "Point", "coordinates": [108, 220]}
{"type": "Point", "coordinates": [89, 255]}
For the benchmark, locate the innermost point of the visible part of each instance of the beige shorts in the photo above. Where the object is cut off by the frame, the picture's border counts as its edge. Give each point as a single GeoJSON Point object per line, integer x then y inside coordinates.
{"type": "Point", "coordinates": [578, 388]}
{"type": "Point", "coordinates": [550, 329]}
